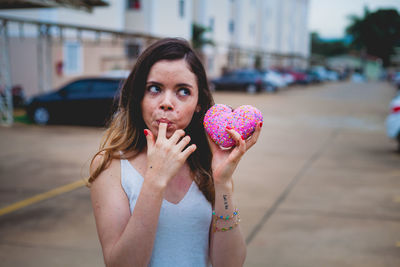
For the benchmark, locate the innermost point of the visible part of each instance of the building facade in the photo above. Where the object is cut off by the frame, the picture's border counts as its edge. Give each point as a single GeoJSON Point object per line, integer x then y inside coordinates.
{"type": "Point", "coordinates": [245, 33]}
{"type": "Point", "coordinates": [252, 33]}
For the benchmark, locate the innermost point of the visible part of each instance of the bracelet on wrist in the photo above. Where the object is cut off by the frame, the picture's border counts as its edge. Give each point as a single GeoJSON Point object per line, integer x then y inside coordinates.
{"type": "Point", "coordinates": [227, 228]}
{"type": "Point", "coordinates": [225, 219]}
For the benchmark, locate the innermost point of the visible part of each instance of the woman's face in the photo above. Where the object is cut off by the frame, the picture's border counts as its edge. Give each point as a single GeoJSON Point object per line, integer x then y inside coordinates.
{"type": "Point", "coordinates": [171, 96]}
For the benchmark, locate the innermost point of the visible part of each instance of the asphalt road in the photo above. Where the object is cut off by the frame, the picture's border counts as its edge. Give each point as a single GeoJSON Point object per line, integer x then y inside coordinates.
{"type": "Point", "coordinates": [321, 187]}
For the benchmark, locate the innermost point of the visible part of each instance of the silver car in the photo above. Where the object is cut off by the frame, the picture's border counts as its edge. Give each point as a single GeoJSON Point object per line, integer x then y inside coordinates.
{"type": "Point", "coordinates": [393, 120]}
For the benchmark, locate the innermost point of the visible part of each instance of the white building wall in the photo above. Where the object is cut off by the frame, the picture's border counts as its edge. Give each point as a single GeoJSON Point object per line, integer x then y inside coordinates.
{"type": "Point", "coordinates": [284, 29]}
{"type": "Point", "coordinates": [304, 35]}
{"type": "Point", "coordinates": [269, 30]}
{"type": "Point", "coordinates": [167, 22]}
{"type": "Point", "coordinates": [139, 20]}
{"type": "Point", "coordinates": [220, 20]}
{"type": "Point", "coordinates": [272, 26]}
{"type": "Point", "coordinates": [161, 18]}
{"type": "Point", "coordinates": [215, 15]}
{"type": "Point", "coordinates": [110, 17]}
{"type": "Point", "coordinates": [245, 19]}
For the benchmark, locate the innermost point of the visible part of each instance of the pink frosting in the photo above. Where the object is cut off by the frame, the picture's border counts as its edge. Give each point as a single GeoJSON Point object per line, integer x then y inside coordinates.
{"type": "Point", "coordinates": [243, 119]}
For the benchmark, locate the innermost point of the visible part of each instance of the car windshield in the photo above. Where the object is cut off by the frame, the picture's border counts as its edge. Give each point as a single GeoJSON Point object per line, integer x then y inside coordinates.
{"type": "Point", "coordinates": [106, 86]}
{"type": "Point", "coordinates": [77, 87]}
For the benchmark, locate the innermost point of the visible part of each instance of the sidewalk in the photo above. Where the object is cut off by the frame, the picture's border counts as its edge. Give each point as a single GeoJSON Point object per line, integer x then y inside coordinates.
{"type": "Point", "coordinates": [321, 187]}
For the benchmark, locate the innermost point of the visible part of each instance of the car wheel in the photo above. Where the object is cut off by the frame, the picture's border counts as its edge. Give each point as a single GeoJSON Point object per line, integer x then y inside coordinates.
{"type": "Point", "coordinates": [41, 115]}
{"type": "Point", "coordinates": [251, 89]}
{"type": "Point", "coordinates": [398, 143]}
{"type": "Point", "coordinates": [270, 88]}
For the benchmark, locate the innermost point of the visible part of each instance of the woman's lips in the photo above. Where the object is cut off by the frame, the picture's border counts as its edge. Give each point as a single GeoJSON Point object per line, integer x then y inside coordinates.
{"type": "Point", "coordinates": [164, 121]}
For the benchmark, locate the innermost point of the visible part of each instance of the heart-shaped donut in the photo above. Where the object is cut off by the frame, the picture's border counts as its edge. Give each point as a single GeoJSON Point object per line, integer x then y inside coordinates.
{"type": "Point", "coordinates": [243, 119]}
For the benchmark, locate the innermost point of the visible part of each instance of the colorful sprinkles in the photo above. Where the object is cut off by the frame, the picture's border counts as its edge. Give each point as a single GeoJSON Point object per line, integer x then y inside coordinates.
{"type": "Point", "coordinates": [243, 119]}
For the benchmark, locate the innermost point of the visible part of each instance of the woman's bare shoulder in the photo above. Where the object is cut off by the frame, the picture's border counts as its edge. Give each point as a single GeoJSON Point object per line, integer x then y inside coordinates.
{"type": "Point", "coordinates": [111, 170]}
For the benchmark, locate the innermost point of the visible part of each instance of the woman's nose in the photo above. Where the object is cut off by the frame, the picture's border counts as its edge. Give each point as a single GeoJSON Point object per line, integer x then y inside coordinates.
{"type": "Point", "coordinates": [166, 103]}
{"type": "Point", "coordinates": [166, 107]}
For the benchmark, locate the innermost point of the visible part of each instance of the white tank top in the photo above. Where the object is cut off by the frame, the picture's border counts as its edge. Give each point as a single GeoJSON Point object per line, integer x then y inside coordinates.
{"type": "Point", "coordinates": [182, 237]}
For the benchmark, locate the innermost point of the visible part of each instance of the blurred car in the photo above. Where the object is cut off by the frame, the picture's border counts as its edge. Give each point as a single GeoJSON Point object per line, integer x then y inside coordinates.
{"type": "Point", "coordinates": [320, 71]}
{"type": "Point", "coordinates": [297, 76]}
{"type": "Point", "coordinates": [287, 77]}
{"type": "Point", "coordinates": [393, 120]}
{"type": "Point", "coordinates": [247, 80]}
{"type": "Point", "coordinates": [274, 78]}
{"type": "Point", "coordinates": [332, 75]}
{"type": "Point", "coordinates": [396, 80]}
{"type": "Point", "coordinates": [314, 76]}
{"type": "Point", "coordinates": [300, 77]}
{"type": "Point", "coordinates": [87, 101]}
{"type": "Point", "coordinates": [357, 78]}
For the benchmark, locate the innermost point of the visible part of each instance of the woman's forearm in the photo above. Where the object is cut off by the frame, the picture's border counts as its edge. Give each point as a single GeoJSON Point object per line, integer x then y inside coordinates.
{"type": "Point", "coordinates": [228, 248]}
{"type": "Point", "coordinates": [134, 247]}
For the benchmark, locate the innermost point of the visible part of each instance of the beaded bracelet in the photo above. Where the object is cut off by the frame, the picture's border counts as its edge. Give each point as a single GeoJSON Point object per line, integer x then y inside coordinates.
{"type": "Point", "coordinates": [227, 217]}
{"type": "Point", "coordinates": [223, 229]}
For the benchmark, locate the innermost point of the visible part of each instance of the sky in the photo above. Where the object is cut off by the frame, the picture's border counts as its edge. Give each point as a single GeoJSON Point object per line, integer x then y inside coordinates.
{"type": "Point", "coordinates": [329, 17]}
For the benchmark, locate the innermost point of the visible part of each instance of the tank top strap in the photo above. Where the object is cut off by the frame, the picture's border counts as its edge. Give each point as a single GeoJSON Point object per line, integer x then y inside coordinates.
{"type": "Point", "coordinates": [131, 179]}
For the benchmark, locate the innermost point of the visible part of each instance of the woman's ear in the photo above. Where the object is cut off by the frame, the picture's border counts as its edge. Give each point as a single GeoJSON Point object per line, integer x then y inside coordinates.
{"type": "Point", "coordinates": [198, 108]}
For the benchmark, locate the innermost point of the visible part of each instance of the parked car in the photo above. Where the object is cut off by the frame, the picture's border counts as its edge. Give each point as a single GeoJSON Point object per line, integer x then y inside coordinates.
{"type": "Point", "coordinates": [396, 80]}
{"type": "Point", "coordinates": [287, 77]}
{"type": "Point", "coordinates": [248, 80]}
{"type": "Point", "coordinates": [332, 75]}
{"type": "Point", "coordinates": [88, 101]}
{"type": "Point", "coordinates": [393, 120]}
{"type": "Point", "coordinates": [274, 78]}
{"type": "Point", "coordinates": [299, 77]}
{"type": "Point", "coordinates": [314, 76]}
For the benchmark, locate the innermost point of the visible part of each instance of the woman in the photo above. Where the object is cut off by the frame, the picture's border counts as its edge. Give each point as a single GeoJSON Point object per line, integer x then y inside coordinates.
{"type": "Point", "coordinates": [158, 185]}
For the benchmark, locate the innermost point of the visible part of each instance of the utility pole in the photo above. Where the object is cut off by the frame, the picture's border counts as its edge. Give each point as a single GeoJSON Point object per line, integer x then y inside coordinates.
{"type": "Point", "coordinates": [6, 101]}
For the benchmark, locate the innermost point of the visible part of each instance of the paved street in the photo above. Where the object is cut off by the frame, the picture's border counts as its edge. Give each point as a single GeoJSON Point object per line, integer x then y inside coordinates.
{"type": "Point", "coordinates": [321, 187]}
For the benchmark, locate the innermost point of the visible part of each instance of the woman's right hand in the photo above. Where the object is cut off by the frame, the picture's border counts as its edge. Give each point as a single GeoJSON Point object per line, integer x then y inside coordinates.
{"type": "Point", "coordinates": [165, 156]}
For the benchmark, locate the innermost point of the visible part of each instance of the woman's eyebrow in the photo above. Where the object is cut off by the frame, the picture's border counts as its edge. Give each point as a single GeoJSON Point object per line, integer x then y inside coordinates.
{"type": "Point", "coordinates": [155, 83]}
{"type": "Point", "coordinates": [178, 85]}
{"type": "Point", "coordinates": [184, 85]}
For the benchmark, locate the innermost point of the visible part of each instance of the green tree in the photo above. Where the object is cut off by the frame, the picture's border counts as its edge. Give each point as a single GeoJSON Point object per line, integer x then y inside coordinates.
{"type": "Point", "coordinates": [377, 33]}
{"type": "Point", "coordinates": [198, 36]}
{"type": "Point", "coordinates": [327, 48]}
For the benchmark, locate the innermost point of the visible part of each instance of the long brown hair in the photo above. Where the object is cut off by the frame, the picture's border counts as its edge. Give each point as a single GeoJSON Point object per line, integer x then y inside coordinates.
{"type": "Point", "coordinates": [125, 132]}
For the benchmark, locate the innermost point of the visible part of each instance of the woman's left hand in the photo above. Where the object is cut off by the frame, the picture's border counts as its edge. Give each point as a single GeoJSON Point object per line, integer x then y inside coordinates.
{"type": "Point", "coordinates": [224, 162]}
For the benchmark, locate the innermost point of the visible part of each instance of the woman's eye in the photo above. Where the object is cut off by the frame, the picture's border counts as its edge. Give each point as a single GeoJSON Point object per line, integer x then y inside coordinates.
{"type": "Point", "coordinates": [153, 89]}
{"type": "Point", "coordinates": [184, 92]}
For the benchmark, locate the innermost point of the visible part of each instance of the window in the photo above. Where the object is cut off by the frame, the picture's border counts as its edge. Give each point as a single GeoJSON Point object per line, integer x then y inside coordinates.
{"type": "Point", "coordinates": [231, 58]}
{"type": "Point", "coordinates": [106, 87]}
{"type": "Point", "coordinates": [79, 88]}
{"type": "Point", "coordinates": [72, 54]}
{"type": "Point", "coordinates": [182, 8]}
{"type": "Point", "coordinates": [231, 26]}
{"type": "Point", "coordinates": [211, 24]}
{"type": "Point", "coordinates": [133, 4]}
{"type": "Point", "coordinates": [252, 29]}
{"type": "Point", "coordinates": [132, 51]}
